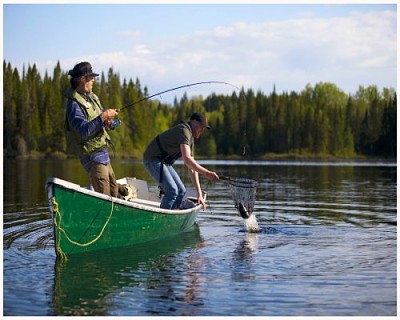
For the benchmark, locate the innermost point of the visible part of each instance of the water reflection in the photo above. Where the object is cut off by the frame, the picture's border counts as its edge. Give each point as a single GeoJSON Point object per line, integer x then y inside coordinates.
{"type": "Point", "coordinates": [243, 259]}
{"type": "Point", "coordinates": [95, 283]}
{"type": "Point", "coordinates": [327, 248]}
{"type": "Point", "coordinates": [24, 180]}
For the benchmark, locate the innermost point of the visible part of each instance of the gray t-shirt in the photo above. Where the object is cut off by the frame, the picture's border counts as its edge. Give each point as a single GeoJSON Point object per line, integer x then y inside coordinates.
{"type": "Point", "coordinates": [170, 141]}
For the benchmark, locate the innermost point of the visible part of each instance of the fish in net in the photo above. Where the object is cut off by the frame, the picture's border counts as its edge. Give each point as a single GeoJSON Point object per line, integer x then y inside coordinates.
{"type": "Point", "coordinates": [243, 192]}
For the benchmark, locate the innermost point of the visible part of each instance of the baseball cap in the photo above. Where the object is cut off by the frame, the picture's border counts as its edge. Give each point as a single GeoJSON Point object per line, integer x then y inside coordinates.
{"type": "Point", "coordinates": [200, 117]}
{"type": "Point", "coordinates": [82, 69]}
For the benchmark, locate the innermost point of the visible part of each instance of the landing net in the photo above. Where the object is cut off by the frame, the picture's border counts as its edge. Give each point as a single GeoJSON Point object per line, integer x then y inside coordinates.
{"type": "Point", "coordinates": [243, 191]}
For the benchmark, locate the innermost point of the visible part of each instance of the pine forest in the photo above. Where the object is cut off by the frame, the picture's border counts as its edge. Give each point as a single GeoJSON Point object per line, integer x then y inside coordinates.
{"type": "Point", "coordinates": [319, 121]}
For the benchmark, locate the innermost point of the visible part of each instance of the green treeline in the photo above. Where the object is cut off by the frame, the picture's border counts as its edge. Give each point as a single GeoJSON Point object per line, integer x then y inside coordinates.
{"type": "Point", "coordinates": [318, 121]}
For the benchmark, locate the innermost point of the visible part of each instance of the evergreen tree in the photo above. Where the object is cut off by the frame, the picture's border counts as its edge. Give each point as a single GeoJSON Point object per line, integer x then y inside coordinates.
{"type": "Point", "coordinates": [318, 120]}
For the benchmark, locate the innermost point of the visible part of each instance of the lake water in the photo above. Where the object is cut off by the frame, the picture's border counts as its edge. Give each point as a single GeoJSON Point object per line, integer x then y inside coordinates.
{"type": "Point", "coordinates": [328, 247]}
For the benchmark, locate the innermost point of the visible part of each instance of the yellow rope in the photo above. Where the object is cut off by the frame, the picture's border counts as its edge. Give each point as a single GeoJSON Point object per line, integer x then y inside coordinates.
{"type": "Point", "coordinates": [60, 229]}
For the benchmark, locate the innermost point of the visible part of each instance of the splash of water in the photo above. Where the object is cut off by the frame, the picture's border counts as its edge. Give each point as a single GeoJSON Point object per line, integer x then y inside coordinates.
{"type": "Point", "coordinates": [251, 224]}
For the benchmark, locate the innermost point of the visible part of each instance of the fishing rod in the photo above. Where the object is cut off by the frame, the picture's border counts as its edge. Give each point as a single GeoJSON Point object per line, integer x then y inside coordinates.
{"type": "Point", "coordinates": [177, 88]}
{"type": "Point", "coordinates": [116, 122]}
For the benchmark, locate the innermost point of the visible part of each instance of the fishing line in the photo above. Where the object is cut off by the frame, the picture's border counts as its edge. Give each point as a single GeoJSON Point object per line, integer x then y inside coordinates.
{"type": "Point", "coordinates": [177, 88]}
{"type": "Point", "coordinates": [116, 122]}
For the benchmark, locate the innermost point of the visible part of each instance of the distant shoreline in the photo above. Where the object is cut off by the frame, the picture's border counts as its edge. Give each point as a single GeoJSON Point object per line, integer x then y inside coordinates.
{"type": "Point", "coordinates": [266, 157]}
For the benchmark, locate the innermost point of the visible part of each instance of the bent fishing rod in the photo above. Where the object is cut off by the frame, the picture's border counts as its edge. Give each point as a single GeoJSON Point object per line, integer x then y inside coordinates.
{"type": "Point", "coordinates": [116, 122]}
{"type": "Point", "coordinates": [177, 88]}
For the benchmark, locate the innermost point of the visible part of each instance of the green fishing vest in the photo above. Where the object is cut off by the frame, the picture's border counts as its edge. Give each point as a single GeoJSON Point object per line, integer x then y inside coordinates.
{"type": "Point", "coordinates": [91, 109]}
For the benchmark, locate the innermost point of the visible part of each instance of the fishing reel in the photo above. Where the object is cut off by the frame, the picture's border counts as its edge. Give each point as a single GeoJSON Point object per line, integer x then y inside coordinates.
{"type": "Point", "coordinates": [115, 123]}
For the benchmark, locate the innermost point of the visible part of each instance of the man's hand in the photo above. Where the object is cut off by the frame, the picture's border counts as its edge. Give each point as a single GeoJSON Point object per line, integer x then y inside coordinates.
{"type": "Point", "coordinates": [200, 200]}
{"type": "Point", "coordinates": [108, 115]}
{"type": "Point", "coordinates": [210, 175]}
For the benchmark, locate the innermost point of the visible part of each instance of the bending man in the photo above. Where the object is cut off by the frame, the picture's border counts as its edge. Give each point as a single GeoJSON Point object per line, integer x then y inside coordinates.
{"type": "Point", "coordinates": [169, 146]}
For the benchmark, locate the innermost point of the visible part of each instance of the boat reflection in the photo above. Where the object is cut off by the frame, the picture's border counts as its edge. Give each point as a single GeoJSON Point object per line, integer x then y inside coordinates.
{"type": "Point", "coordinates": [94, 283]}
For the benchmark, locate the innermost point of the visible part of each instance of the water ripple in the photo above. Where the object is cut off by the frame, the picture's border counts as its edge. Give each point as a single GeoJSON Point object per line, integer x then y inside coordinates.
{"type": "Point", "coordinates": [27, 230]}
{"type": "Point", "coordinates": [327, 246]}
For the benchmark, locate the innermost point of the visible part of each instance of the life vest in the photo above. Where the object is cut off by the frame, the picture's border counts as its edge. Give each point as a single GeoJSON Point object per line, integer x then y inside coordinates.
{"type": "Point", "coordinates": [91, 108]}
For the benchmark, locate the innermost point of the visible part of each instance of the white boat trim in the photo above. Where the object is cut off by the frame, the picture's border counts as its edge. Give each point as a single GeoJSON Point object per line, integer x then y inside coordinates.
{"type": "Point", "coordinates": [142, 204]}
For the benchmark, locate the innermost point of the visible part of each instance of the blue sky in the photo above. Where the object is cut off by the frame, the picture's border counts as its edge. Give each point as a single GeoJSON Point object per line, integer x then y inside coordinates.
{"type": "Point", "coordinates": [255, 46]}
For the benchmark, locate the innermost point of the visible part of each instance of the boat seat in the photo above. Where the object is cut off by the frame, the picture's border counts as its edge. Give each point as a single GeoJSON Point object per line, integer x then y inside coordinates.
{"type": "Point", "coordinates": [142, 189]}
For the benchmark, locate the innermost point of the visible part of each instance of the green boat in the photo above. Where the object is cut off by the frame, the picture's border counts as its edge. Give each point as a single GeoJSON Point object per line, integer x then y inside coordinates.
{"type": "Point", "coordinates": [85, 220]}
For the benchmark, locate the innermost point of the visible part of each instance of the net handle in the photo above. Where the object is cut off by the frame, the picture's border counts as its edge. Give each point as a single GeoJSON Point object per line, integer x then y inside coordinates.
{"type": "Point", "coordinates": [224, 178]}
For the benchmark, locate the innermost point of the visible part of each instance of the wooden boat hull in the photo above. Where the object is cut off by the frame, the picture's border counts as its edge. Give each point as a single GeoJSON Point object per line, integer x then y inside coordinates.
{"type": "Point", "coordinates": [85, 220]}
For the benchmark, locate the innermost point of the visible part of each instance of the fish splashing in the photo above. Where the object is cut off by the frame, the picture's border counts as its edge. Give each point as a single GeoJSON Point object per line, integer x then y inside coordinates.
{"type": "Point", "coordinates": [250, 221]}
{"type": "Point", "coordinates": [251, 224]}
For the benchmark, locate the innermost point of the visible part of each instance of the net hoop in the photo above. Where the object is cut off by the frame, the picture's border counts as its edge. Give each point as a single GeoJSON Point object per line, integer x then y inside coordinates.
{"type": "Point", "coordinates": [243, 191]}
{"type": "Point", "coordinates": [242, 182]}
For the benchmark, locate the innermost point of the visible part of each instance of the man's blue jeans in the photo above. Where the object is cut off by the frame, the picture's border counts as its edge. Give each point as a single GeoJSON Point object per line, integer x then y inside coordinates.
{"type": "Point", "coordinates": [171, 184]}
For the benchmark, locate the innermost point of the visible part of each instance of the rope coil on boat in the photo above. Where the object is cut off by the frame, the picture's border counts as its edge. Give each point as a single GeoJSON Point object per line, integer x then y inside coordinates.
{"type": "Point", "coordinates": [60, 229]}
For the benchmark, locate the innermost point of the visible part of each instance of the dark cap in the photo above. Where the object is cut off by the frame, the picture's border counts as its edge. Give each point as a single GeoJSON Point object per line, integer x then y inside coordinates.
{"type": "Point", "coordinates": [82, 69]}
{"type": "Point", "coordinates": [200, 117]}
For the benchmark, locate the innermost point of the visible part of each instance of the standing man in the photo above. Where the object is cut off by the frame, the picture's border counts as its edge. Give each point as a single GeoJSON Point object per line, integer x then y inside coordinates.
{"type": "Point", "coordinates": [85, 127]}
{"type": "Point", "coordinates": [165, 149]}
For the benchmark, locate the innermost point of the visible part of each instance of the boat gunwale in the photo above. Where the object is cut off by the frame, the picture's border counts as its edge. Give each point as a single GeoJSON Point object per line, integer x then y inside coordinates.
{"type": "Point", "coordinates": [153, 206]}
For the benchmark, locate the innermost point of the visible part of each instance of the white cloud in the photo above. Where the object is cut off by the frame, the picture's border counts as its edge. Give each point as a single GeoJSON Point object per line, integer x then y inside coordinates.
{"type": "Point", "coordinates": [349, 51]}
{"type": "Point", "coordinates": [293, 52]}
{"type": "Point", "coordinates": [130, 35]}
